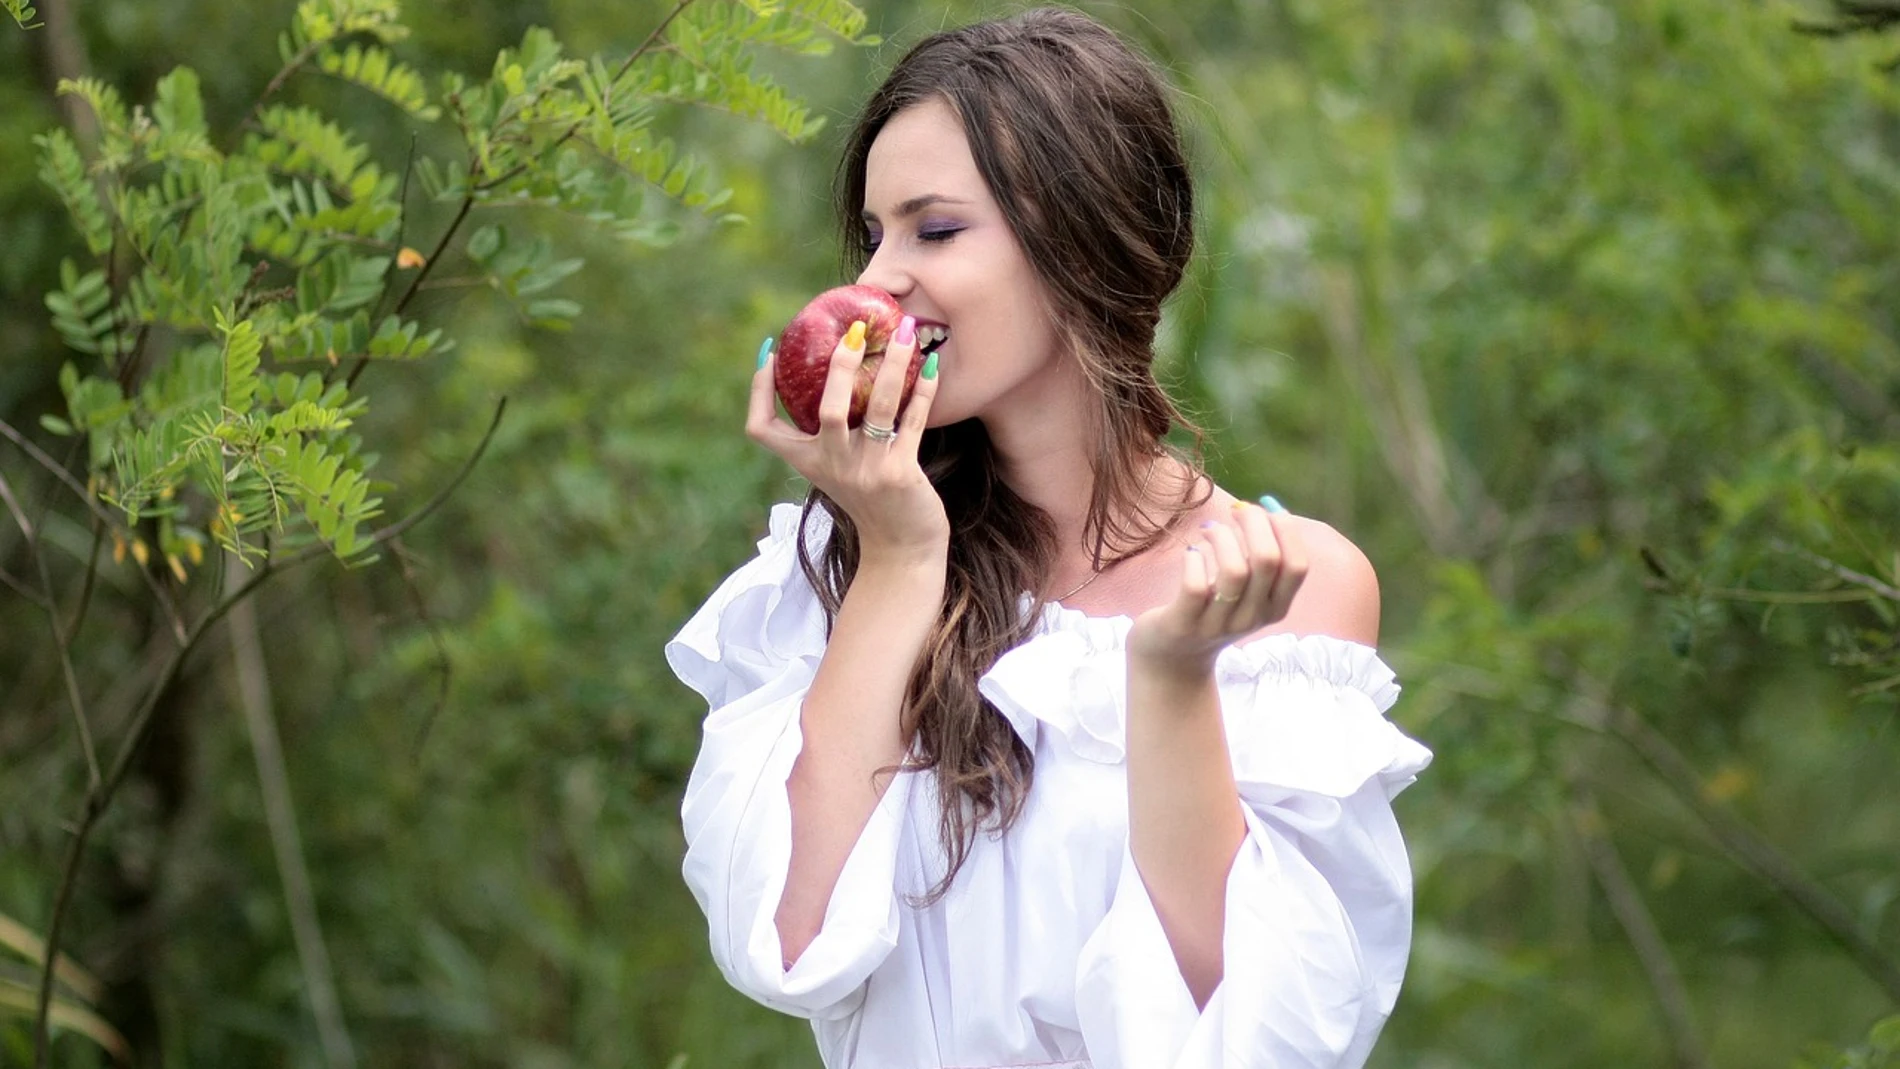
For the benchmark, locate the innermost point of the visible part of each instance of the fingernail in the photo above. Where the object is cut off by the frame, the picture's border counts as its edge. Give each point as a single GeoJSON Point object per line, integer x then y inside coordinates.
{"type": "Point", "coordinates": [854, 338]}
{"type": "Point", "coordinates": [765, 350]}
{"type": "Point", "coordinates": [930, 367]}
{"type": "Point", "coordinates": [1271, 503]}
{"type": "Point", "coordinates": [1207, 525]}
{"type": "Point", "coordinates": [906, 331]}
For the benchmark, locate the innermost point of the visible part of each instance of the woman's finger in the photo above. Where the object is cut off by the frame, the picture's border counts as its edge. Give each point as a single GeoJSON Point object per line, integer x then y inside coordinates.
{"type": "Point", "coordinates": [762, 423]}
{"type": "Point", "coordinates": [1265, 560]}
{"type": "Point", "coordinates": [841, 381]}
{"type": "Point", "coordinates": [1197, 575]}
{"type": "Point", "coordinates": [887, 390]}
{"type": "Point", "coordinates": [910, 431]}
{"type": "Point", "coordinates": [1293, 563]}
{"type": "Point", "coordinates": [1231, 572]}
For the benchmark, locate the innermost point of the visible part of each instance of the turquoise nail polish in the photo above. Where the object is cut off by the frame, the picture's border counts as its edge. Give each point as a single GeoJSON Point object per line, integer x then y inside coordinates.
{"type": "Point", "coordinates": [765, 351]}
{"type": "Point", "coordinates": [1271, 503]}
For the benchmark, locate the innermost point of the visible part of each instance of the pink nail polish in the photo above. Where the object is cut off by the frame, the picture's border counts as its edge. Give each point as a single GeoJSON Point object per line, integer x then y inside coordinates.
{"type": "Point", "coordinates": [906, 331]}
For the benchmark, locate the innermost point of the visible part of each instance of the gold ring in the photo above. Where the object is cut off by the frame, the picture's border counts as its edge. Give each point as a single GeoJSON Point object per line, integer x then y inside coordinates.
{"type": "Point", "coordinates": [1220, 599]}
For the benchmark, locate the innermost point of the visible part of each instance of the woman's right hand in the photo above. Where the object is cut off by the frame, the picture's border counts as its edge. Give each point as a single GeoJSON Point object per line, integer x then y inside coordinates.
{"type": "Point", "coordinates": [880, 485]}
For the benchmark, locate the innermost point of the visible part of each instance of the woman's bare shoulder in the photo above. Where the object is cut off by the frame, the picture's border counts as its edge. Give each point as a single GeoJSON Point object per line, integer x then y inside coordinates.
{"type": "Point", "coordinates": [1340, 596]}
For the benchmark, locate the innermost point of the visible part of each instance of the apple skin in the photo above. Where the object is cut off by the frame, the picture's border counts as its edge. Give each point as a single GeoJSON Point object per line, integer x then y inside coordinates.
{"type": "Point", "coordinates": [805, 347]}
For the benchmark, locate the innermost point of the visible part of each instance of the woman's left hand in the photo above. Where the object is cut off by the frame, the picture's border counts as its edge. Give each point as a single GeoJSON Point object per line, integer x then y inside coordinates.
{"type": "Point", "coordinates": [1237, 577]}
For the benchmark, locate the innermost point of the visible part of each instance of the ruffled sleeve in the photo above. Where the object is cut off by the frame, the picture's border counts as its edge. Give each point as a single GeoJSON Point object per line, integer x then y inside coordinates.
{"type": "Point", "coordinates": [1318, 922]}
{"type": "Point", "coordinates": [751, 651]}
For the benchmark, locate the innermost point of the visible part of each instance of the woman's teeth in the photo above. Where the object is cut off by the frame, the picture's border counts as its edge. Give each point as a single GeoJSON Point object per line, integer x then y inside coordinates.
{"type": "Point", "coordinates": [931, 337]}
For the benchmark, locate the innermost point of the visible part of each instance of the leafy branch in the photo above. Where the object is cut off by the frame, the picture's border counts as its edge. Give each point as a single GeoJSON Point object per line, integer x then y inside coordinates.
{"type": "Point", "coordinates": [265, 260]}
{"type": "Point", "coordinates": [99, 795]}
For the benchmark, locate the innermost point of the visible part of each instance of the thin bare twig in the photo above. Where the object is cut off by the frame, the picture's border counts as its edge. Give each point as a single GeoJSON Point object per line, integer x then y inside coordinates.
{"type": "Point", "coordinates": [92, 575]}
{"type": "Point", "coordinates": [1839, 570]}
{"type": "Point", "coordinates": [99, 512]}
{"type": "Point", "coordinates": [446, 667]}
{"type": "Point", "coordinates": [303, 56]}
{"type": "Point", "coordinates": [402, 228]}
{"type": "Point", "coordinates": [51, 606]}
{"type": "Point", "coordinates": [21, 588]}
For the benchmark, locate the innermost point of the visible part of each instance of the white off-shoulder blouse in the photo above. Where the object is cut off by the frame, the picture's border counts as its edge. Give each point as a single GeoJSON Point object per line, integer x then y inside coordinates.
{"type": "Point", "coordinates": [1046, 951]}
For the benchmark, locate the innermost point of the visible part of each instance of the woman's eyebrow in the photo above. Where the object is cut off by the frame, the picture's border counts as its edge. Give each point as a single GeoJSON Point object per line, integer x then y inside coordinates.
{"type": "Point", "coordinates": [914, 205]}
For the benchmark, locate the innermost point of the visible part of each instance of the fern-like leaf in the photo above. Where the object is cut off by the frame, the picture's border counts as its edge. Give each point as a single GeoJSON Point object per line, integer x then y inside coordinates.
{"type": "Point", "coordinates": [242, 350]}
{"type": "Point", "coordinates": [118, 146]}
{"type": "Point", "coordinates": [179, 114]}
{"type": "Point", "coordinates": [373, 69]}
{"type": "Point", "coordinates": [62, 168]}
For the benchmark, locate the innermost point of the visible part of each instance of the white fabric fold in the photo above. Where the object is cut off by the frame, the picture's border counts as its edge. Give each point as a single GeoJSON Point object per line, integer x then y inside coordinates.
{"type": "Point", "coordinates": [1047, 949]}
{"type": "Point", "coordinates": [751, 651]}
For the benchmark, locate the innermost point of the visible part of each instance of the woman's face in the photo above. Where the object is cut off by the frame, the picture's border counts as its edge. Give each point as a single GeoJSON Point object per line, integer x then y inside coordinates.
{"type": "Point", "coordinates": [940, 245]}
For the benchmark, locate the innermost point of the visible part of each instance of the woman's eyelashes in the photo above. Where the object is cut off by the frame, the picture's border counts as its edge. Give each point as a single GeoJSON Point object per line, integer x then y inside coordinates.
{"type": "Point", "coordinates": [927, 234]}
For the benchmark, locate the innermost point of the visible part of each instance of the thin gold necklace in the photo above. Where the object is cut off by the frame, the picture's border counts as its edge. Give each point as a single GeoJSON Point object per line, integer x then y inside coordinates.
{"type": "Point", "coordinates": [1097, 573]}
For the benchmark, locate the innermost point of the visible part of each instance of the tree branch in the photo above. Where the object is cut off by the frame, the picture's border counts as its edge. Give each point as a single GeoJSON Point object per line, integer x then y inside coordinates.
{"type": "Point", "coordinates": [98, 511]}
{"type": "Point", "coordinates": [280, 818]}
{"type": "Point", "coordinates": [51, 605]}
{"type": "Point", "coordinates": [400, 551]}
{"type": "Point", "coordinates": [1839, 571]}
{"type": "Point", "coordinates": [1626, 902]}
{"type": "Point", "coordinates": [1741, 842]}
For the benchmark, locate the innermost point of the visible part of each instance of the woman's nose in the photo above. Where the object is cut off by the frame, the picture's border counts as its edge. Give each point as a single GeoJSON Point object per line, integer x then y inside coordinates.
{"type": "Point", "coordinates": [886, 274]}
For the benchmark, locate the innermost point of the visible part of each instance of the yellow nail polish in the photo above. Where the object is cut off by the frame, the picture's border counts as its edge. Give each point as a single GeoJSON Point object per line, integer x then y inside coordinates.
{"type": "Point", "coordinates": [854, 338]}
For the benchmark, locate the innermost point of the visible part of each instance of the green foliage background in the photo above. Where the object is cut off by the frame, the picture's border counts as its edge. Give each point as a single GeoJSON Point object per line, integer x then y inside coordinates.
{"type": "Point", "coordinates": [1577, 316]}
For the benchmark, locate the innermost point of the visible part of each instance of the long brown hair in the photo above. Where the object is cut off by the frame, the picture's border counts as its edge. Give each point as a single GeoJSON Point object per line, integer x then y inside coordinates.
{"type": "Point", "coordinates": [1072, 131]}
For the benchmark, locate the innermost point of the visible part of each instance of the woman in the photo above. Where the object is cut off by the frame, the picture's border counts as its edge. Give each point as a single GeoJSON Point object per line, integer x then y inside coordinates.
{"type": "Point", "coordinates": [1029, 745]}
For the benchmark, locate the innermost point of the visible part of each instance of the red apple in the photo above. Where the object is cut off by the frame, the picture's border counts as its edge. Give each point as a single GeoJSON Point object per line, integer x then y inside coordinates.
{"type": "Point", "coordinates": [805, 348]}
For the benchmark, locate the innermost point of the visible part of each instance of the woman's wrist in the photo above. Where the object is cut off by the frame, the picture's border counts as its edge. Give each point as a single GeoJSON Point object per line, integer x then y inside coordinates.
{"type": "Point", "coordinates": [905, 563]}
{"type": "Point", "coordinates": [1173, 668]}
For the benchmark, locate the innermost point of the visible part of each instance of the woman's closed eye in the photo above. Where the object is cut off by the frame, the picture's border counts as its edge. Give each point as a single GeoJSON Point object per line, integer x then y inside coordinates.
{"type": "Point", "coordinates": [929, 235]}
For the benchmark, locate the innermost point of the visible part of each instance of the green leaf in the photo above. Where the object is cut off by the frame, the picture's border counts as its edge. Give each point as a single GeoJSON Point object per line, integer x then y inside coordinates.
{"type": "Point", "coordinates": [62, 168]}
{"type": "Point", "coordinates": [21, 1000]}
{"type": "Point", "coordinates": [179, 114]}
{"type": "Point", "coordinates": [22, 14]}
{"type": "Point", "coordinates": [242, 349]}
{"type": "Point", "coordinates": [373, 69]}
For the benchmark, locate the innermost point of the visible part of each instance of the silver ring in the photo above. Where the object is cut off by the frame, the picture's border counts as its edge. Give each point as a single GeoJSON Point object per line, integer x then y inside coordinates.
{"type": "Point", "coordinates": [1219, 599]}
{"type": "Point", "coordinates": [877, 433]}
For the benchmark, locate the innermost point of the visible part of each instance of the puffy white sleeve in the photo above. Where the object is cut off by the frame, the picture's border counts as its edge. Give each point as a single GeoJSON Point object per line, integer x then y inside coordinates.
{"type": "Point", "coordinates": [1318, 922]}
{"type": "Point", "coordinates": [751, 651]}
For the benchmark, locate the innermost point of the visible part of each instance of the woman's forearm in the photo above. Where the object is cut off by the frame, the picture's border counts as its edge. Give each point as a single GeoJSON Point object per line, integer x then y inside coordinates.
{"type": "Point", "coordinates": [1184, 819]}
{"type": "Point", "coordinates": [853, 726]}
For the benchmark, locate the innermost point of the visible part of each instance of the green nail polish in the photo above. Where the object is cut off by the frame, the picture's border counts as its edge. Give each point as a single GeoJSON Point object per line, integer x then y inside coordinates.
{"type": "Point", "coordinates": [1271, 503]}
{"type": "Point", "coordinates": [930, 367]}
{"type": "Point", "coordinates": [765, 351]}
